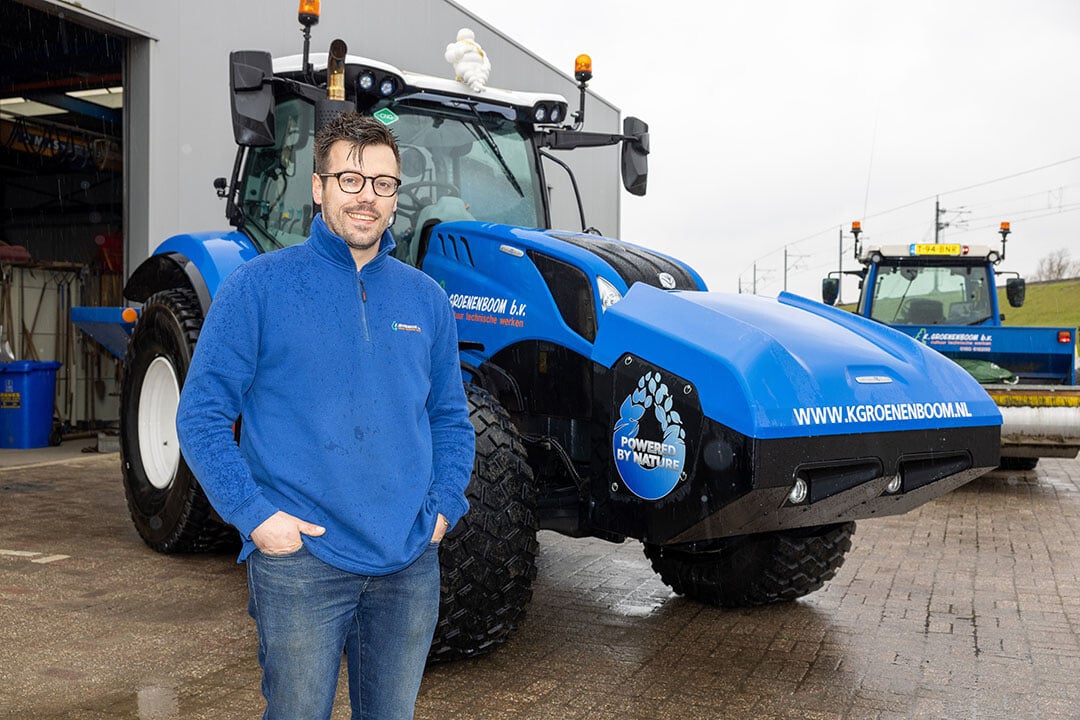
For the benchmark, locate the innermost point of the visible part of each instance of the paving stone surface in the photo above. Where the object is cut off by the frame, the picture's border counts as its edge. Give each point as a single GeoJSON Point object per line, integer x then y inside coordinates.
{"type": "Point", "coordinates": [968, 608]}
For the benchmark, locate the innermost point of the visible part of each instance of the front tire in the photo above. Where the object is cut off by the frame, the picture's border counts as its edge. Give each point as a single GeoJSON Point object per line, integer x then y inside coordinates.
{"type": "Point", "coordinates": [489, 558]}
{"type": "Point", "coordinates": [169, 509]}
{"type": "Point", "coordinates": [756, 569]}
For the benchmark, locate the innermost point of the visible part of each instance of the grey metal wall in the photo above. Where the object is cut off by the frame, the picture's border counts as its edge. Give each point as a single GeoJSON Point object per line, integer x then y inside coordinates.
{"type": "Point", "coordinates": [178, 134]}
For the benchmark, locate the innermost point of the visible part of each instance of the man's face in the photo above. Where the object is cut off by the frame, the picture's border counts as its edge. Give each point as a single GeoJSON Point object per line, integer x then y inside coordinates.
{"type": "Point", "coordinates": [361, 218]}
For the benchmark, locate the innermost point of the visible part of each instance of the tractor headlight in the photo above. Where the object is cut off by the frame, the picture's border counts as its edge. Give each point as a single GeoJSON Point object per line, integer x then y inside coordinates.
{"type": "Point", "coordinates": [367, 81]}
{"type": "Point", "coordinates": [609, 294]}
{"type": "Point", "coordinates": [799, 492]}
{"type": "Point", "coordinates": [387, 87]}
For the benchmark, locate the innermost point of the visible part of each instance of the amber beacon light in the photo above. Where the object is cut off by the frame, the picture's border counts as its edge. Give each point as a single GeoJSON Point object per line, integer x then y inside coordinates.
{"type": "Point", "coordinates": [309, 12]}
{"type": "Point", "coordinates": [583, 68]}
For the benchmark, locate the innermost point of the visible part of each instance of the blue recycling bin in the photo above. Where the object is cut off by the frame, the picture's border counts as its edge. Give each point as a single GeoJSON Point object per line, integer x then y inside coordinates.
{"type": "Point", "coordinates": [27, 389]}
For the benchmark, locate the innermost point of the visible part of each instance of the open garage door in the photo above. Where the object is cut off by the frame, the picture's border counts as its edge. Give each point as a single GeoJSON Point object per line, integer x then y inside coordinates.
{"type": "Point", "coordinates": [62, 187]}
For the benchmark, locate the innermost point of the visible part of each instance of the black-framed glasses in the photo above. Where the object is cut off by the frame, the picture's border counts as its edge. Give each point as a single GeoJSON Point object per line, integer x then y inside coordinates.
{"type": "Point", "coordinates": [353, 182]}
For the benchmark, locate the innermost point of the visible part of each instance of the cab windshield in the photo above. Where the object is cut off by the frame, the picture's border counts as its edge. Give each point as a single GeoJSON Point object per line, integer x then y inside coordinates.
{"type": "Point", "coordinates": [459, 161]}
{"type": "Point", "coordinates": [931, 295]}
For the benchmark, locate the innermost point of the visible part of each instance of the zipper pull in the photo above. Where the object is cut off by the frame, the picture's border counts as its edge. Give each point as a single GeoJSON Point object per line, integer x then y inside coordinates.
{"type": "Point", "coordinates": [363, 292]}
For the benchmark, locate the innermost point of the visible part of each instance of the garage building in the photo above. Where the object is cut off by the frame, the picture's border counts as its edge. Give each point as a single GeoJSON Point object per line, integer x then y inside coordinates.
{"type": "Point", "coordinates": [114, 123]}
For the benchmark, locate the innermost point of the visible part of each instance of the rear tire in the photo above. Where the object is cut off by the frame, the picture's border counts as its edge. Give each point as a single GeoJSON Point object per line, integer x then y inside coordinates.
{"type": "Point", "coordinates": [756, 569]}
{"type": "Point", "coordinates": [489, 558]}
{"type": "Point", "coordinates": [169, 509]}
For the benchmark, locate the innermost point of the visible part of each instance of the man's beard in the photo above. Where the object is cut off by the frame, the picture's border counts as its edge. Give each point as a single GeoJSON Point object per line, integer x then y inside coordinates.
{"type": "Point", "coordinates": [346, 232]}
{"type": "Point", "coordinates": [360, 246]}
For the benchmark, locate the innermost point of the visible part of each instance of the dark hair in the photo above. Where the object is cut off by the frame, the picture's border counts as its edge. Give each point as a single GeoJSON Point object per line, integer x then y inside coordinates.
{"type": "Point", "coordinates": [357, 130]}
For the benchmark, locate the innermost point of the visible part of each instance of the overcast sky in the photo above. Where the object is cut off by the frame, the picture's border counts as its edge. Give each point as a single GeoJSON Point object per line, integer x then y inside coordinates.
{"type": "Point", "coordinates": [776, 122]}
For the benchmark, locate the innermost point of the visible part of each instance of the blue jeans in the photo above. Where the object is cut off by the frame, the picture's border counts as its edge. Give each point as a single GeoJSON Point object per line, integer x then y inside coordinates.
{"type": "Point", "coordinates": [308, 612]}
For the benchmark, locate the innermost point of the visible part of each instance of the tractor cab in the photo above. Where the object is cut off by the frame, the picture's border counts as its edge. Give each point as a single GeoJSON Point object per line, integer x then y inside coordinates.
{"type": "Point", "coordinates": [465, 154]}
{"type": "Point", "coordinates": [928, 283]}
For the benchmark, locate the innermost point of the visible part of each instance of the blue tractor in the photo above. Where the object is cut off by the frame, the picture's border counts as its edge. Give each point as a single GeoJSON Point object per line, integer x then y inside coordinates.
{"type": "Point", "coordinates": [738, 438]}
{"type": "Point", "coordinates": [945, 295]}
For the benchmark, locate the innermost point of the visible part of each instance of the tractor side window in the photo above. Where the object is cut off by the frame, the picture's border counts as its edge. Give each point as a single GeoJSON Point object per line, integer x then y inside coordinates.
{"type": "Point", "coordinates": [276, 191]}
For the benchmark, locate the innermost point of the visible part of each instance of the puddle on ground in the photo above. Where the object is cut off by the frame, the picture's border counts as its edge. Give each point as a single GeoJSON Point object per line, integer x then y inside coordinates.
{"type": "Point", "coordinates": [26, 487]}
{"type": "Point", "coordinates": [158, 703]}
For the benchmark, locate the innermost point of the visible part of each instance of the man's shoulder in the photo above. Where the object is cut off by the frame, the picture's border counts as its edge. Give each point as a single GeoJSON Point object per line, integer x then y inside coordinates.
{"type": "Point", "coordinates": [418, 279]}
{"type": "Point", "coordinates": [285, 255]}
{"type": "Point", "coordinates": [260, 267]}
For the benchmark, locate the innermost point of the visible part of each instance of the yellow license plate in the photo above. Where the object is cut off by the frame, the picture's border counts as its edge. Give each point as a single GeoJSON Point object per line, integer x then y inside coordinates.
{"type": "Point", "coordinates": [927, 249]}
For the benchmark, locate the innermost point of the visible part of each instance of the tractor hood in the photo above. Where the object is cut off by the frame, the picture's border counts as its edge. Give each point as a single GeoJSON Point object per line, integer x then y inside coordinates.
{"type": "Point", "coordinates": [791, 367]}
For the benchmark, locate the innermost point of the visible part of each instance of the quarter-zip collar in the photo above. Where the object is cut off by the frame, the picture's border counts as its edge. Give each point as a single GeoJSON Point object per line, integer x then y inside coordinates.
{"type": "Point", "coordinates": [332, 247]}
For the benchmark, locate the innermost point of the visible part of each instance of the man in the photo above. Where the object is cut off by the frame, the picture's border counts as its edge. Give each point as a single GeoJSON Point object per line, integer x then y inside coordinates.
{"type": "Point", "coordinates": [355, 444]}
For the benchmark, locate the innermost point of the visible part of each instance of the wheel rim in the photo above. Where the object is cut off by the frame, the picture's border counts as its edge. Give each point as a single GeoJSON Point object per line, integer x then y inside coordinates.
{"type": "Point", "coordinates": [159, 447]}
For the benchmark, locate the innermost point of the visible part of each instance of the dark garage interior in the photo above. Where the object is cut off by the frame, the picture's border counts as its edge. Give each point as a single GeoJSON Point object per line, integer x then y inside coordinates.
{"type": "Point", "coordinates": [62, 185]}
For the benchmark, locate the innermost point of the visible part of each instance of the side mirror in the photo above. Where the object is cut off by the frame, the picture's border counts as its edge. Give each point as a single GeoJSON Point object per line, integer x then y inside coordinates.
{"type": "Point", "coordinates": [250, 73]}
{"type": "Point", "coordinates": [635, 152]}
{"type": "Point", "coordinates": [830, 290]}
{"type": "Point", "coordinates": [1015, 289]}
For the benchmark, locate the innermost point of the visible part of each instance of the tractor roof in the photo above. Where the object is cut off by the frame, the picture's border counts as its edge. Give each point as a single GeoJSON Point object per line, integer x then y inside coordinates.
{"type": "Point", "coordinates": [292, 66]}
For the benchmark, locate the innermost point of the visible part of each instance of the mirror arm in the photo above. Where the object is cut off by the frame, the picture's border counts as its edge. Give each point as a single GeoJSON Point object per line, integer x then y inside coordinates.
{"type": "Point", "coordinates": [571, 139]}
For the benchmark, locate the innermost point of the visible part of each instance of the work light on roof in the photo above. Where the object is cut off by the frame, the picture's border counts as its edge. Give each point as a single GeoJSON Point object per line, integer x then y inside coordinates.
{"type": "Point", "coordinates": [546, 112]}
{"type": "Point", "coordinates": [366, 81]}
{"type": "Point", "coordinates": [387, 87]}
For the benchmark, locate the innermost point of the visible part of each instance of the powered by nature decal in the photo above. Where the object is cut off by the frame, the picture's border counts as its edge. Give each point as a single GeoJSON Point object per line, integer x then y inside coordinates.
{"type": "Point", "coordinates": [649, 441]}
{"type": "Point", "coordinates": [488, 310]}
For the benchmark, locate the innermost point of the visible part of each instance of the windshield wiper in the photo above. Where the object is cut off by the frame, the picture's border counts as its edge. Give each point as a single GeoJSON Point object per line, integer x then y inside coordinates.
{"type": "Point", "coordinates": [900, 303]}
{"type": "Point", "coordinates": [485, 135]}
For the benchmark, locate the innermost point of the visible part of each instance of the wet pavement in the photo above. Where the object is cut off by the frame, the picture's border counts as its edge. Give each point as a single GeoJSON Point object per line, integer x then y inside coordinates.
{"type": "Point", "coordinates": [966, 608]}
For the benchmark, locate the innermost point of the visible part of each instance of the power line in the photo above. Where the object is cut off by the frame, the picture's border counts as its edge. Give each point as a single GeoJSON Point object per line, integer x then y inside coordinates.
{"type": "Point", "coordinates": [1000, 201]}
{"type": "Point", "coordinates": [977, 185]}
{"type": "Point", "coordinates": [984, 183]}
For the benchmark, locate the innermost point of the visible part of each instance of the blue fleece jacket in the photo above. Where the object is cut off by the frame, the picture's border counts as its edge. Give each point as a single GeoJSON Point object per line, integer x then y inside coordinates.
{"type": "Point", "coordinates": [349, 385]}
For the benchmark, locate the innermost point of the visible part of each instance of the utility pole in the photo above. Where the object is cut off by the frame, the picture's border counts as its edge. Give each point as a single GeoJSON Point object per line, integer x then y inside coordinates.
{"type": "Point", "coordinates": [840, 265]}
{"type": "Point", "coordinates": [938, 225]}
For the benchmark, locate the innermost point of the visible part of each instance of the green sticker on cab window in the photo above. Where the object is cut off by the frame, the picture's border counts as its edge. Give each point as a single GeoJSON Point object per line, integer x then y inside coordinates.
{"type": "Point", "coordinates": [386, 116]}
